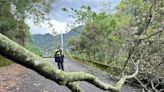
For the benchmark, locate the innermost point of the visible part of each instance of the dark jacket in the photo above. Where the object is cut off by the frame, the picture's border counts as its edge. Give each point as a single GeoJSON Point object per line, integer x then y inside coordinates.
{"type": "Point", "coordinates": [58, 56]}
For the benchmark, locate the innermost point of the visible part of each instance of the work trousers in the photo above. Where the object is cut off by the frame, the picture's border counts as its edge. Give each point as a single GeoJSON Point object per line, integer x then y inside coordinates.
{"type": "Point", "coordinates": [60, 65]}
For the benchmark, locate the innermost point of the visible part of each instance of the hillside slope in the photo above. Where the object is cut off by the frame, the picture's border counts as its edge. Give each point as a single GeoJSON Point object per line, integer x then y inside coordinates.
{"type": "Point", "coordinates": [47, 42]}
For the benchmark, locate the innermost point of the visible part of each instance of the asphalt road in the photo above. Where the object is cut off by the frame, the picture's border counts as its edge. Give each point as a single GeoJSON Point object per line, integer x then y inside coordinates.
{"type": "Point", "coordinates": [33, 82]}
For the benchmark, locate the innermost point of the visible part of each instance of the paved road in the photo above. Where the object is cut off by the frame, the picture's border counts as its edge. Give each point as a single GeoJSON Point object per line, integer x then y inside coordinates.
{"type": "Point", "coordinates": [33, 82]}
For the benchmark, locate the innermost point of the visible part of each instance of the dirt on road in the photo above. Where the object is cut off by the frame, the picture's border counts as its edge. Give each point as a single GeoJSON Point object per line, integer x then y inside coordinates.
{"type": "Point", "coordinates": [16, 78]}
{"type": "Point", "coordinates": [11, 77]}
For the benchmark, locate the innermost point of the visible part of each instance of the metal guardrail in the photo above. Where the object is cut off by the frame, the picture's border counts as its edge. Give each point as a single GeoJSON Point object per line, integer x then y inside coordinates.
{"type": "Point", "coordinates": [112, 70]}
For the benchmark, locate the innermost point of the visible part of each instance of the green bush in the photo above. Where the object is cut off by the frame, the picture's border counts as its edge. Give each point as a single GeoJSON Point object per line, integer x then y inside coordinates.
{"type": "Point", "coordinates": [4, 61]}
{"type": "Point", "coordinates": [30, 46]}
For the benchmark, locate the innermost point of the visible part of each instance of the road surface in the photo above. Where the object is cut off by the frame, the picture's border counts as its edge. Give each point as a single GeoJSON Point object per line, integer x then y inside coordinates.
{"type": "Point", "coordinates": [33, 82]}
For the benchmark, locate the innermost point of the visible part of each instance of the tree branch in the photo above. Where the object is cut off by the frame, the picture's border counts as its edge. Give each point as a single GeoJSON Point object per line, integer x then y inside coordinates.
{"type": "Point", "coordinates": [144, 30]}
{"type": "Point", "coordinates": [20, 55]}
{"type": "Point", "coordinates": [152, 85]}
{"type": "Point", "coordinates": [74, 87]}
{"type": "Point", "coordinates": [144, 86]}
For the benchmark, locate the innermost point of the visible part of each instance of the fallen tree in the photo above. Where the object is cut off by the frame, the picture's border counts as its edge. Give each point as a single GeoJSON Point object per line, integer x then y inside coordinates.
{"type": "Point", "coordinates": [18, 54]}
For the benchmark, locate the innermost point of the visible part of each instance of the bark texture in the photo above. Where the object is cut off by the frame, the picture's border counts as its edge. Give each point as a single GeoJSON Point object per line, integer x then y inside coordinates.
{"type": "Point", "coordinates": [19, 54]}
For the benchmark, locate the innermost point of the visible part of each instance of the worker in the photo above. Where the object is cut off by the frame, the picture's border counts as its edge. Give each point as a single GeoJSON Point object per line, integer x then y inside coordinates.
{"type": "Point", "coordinates": [59, 58]}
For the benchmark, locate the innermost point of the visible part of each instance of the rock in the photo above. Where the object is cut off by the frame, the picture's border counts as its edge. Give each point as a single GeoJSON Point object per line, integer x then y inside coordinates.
{"type": "Point", "coordinates": [17, 88]}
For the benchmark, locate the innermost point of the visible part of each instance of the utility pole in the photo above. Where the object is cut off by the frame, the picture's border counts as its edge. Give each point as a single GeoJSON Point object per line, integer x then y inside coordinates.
{"type": "Point", "coordinates": [61, 39]}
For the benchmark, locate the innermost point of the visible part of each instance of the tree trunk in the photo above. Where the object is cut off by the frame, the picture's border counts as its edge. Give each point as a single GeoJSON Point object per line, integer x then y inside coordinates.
{"type": "Point", "coordinates": [18, 54]}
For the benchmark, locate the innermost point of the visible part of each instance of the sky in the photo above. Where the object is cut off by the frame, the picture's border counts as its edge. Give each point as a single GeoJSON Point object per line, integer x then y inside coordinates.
{"type": "Point", "coordinates": [60, 20]}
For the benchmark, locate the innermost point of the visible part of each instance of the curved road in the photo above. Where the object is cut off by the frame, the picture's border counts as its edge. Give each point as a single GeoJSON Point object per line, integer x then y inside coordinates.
{"type": "Point", "coordinates": [33, 82]}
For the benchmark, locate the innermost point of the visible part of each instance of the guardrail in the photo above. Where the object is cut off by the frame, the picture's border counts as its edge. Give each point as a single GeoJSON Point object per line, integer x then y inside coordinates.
{"type": "Point", "coordinates": [112, 70]}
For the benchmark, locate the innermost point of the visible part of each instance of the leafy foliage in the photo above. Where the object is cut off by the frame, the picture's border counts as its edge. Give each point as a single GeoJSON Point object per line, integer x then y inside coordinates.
{"type": "Point", "coordinates": [4, 61]}
{"type": "Point", "coordinates": [14, 12]}
{"type": "Point", "coordinates": [133, 33]}
{"type": "Point", "coordinates": [31, 46]}
{"type": "Point", "coordinates": [12, 19]}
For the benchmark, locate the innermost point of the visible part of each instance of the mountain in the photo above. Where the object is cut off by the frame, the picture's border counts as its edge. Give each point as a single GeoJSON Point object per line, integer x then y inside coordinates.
{"type": "Point", "coordinates": [47, 42]}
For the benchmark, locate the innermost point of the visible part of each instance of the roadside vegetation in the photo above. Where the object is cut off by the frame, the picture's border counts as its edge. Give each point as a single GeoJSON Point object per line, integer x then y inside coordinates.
{"type": "Point", "coordinates": [133, 32]}
{"type": "Point", "coordinates": [4, 61]}
{"type": "Point", "coordinates": [12, 23]}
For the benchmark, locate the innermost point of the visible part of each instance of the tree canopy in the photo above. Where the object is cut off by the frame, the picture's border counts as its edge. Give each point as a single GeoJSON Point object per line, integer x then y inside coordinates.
{"type": "Point", "coordinates": [134, 32]}
{"type": "Point", "coordinates": [14, 12]}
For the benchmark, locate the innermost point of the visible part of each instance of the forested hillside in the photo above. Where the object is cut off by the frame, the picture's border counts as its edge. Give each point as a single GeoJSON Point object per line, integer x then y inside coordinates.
{"type": "Point", "coordinates": [47, 42]}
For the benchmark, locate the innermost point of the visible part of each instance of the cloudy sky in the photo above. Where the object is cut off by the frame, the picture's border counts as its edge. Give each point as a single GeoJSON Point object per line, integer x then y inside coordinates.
{"type": "Point", "coordinates": [60, 19]}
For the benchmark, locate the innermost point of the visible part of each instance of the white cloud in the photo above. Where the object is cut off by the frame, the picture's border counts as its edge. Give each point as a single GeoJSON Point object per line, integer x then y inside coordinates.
{"type": "Point", "coordinates": [57, 26]}
{"type": "Point", "coordinates": [52, 26]}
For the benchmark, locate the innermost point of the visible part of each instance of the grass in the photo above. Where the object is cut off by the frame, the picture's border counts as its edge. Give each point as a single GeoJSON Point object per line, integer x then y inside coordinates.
{"type": "Point", "coordinates": [4, 61]}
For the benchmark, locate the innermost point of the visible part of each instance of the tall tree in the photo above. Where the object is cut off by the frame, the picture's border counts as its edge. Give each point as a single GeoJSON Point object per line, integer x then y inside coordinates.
{"type": "Point", "coordinates": [14, 12]}
{"type": "Point", "coordinates": [136, 34]}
